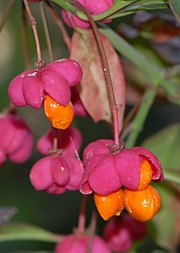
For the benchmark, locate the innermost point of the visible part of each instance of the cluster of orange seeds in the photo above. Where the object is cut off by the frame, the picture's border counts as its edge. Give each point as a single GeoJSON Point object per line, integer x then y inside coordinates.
{"type": "Point", "coordinates": [142, 203]}
{"type": "Point", "coordinates": [60, 116]}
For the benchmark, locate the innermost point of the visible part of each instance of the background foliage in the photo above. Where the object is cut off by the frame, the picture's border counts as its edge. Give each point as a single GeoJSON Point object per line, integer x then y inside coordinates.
{"type": "Point", "coordinates": [150, 56]}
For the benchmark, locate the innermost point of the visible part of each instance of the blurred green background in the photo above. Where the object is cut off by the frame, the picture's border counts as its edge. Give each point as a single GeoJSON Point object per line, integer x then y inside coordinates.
{"type": "Point", "coordinates": [55, 213]}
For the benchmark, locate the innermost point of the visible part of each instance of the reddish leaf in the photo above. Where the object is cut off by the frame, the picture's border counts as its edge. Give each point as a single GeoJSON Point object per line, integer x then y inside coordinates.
{"type": "Point", "coordinates": [93, 92]}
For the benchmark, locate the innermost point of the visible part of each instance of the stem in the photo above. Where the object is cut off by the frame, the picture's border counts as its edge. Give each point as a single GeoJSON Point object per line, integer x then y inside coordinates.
{"type": "Point", "coordinates": [82, 215]}
{"type": "Point", "coordinates": [172, 177]}
{"type": "Point", "coordinates": [138, 122]}
{"type": "Point", "coordinates": [55, 140]}
{"type": "Point", "coordinates": [109, 85]}
{"type": "Point", "coordinates": [75, 149]}
{"type": "Point", "coordinates": [60, 24]}
{"type": "Point", "coordinates": [131, 114]}
{"type": "Point", "coordinates": [36, 37]}
{"type": "Point", "coordinates": [24, 39]}
{"type": "Point", "coordinates": [92, 232]}
{"type": "Point", "coordinates": [126, 126]}
{"type": "Point", "coordinates": [116, 124]}
{"type": "Point", "coordinates": [46, 30]}
{"type": "Point", "coordinates": [5, 14]}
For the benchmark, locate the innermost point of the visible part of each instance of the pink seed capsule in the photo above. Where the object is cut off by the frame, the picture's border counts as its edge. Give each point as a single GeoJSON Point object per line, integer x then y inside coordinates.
{"type": "Point", "coordinates": [79, 244]}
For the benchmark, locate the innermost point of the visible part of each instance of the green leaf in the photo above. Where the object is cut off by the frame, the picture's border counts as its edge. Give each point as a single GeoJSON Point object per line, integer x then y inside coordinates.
{"type": "Point", "coordinates": [166, 145]}
{"type": "Point", "coordinates": [23, 231]}
{"type": "Point", "coordinates": [175, 7]}
{"type": "Point", "coordinates": [148, 5]}
{"type": "Point", "coordinates": [141, 5]}
{"type": "Point", "coordinates": [165, 225]}
{"type": "Point", "coordinates": [65, 5]}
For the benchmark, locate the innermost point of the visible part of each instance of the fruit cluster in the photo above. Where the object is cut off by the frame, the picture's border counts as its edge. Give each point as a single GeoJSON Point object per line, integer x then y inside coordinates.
{"type": "Point", "coordinates": [50, 85]}
{"type": "Point", "coordinates": [61, 170]}
{"type": "Point", "coordinates": [140, 204]}
{"type": "Point", "coordinates": [120, 178]}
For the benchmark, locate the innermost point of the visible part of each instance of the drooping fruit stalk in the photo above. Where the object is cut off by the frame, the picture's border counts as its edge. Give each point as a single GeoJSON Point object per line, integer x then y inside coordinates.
{"type": "Point", "coordinates": [107, 75]}
{"type": "Point", "coordinates": [36, 37]}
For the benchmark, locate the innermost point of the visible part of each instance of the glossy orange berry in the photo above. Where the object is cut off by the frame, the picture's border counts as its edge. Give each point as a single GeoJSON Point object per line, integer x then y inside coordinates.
{"type": "Point", "coordinates": [109, 205]}
{"type": "Point", "coordinates": [145, 175]}
{"type": "Point", "coordinates": [142, 205]}
{"type": "Point", "coordinates": [60, 116]}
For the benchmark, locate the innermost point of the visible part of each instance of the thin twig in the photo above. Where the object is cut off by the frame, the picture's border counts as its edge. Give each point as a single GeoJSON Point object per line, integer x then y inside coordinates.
{"type": "Point", "coordinates": [36, 37]}
{"type": "Point", "coordinates": [5, 14]}
{"type": "Point", "coordinates": [55, 150]}
{"type": "Point", "coordinates": [127, 125]}
{"type": "Point", "coordinates": [24, 39]}
{"type": "Point", "coordinates": [92, 232]}
{"type": "Point", "coordinates": [55, 140]}
{"type": "Point", "coordinates": [82, 215]}
{"type": "Point", "coordinates": [75, 148]}
{"type": "Point", "coordinates": [131, 114]}
{"type": "Point", "coordinates": [60, 24]}
{"type": "Point", "coordinates": [109, 85]}
{"type": "Point", "coordinates": [46, 30]}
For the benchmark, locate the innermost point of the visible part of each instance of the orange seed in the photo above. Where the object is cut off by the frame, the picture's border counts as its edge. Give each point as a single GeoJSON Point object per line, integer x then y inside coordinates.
{"type": "Point", "coordinates": [109, 205]}
{"type": "Point", "coordinates": [145, 175]}
{"type": "Point", "coordinates": [142, 205]}
{"type": "Point", "coordinates": [60, 116]}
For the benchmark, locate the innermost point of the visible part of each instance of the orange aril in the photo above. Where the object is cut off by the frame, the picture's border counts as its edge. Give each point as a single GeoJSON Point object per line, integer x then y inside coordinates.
{"type": "Point", "coordinates": [109, 205]}
{"type": "Point", "coordinates": [145, 175]}
{"type": "Point", "coordinates": [60, 116]}
{"type": "Point", "coordinates": [142, 205]}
